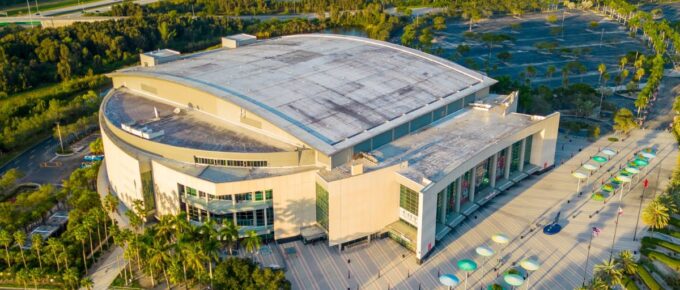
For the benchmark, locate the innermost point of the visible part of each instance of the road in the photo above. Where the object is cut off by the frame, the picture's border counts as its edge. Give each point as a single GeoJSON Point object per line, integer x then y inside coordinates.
{"type": "Point", "coordinates": [31, 163]}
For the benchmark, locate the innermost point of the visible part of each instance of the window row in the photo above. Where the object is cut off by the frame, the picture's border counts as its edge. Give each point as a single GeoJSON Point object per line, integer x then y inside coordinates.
{"type": "Point", "coordinates": [230, 163]}
{"type": "Point", "coordinates": [413, 125]}
{"type": "Point", "coordinates": [261, 195]}
{"type": "Point", "coordinates": [258, 217]}
{"type": "Point", "coordinates": [408, 200]}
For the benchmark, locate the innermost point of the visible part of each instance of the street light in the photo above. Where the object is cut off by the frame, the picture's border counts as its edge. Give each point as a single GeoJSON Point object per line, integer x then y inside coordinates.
{"type": "Point", "coordinates": [467, 266]}
{"type": "Point", "coordinates": [485, 252]}
{"type": "Point", "coordinates": [579, 175]}
{"type": "Point", "coordinates": [449, 280]}
{"type": "Point", "coordinates": [530, 265]}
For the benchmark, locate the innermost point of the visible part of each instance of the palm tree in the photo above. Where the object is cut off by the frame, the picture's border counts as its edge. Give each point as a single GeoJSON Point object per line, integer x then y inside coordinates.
{"type": "Point", "coordinates": [80, 234]}
{"type": "Point", "coordinates": [655, 215]}
{"type": "Point", "coordinates": [228, 235]}
{"type": "Point", "coordinates": [192, 258]}
{"type": "Point", "coordinates": [54, 245]}
{"type": "Point", "coordinates": [252, 242]}
{"type": "Point", "coordinates": [20, 240]}
{"type": "Point", "coordinates": [609, 273]}
{"type": "Point", "coordinates": [37, 245]}
{"type": "Point", "coordinates": [626, 262]}
{"type": "Point", "coordinates": [98, 216]}
{"type": "Point", "coordinates": [6, 241]}
{"type": "Point", "coordinates": [111, 204]}
{"type": "Point", "coordinates": [87, 283]}
{"type": "Point", "coordinates": [88, 224]}
{"type": "Point", "coordinates": [210, 249]}
{"type": "Point", "coordinates": [159, 256]}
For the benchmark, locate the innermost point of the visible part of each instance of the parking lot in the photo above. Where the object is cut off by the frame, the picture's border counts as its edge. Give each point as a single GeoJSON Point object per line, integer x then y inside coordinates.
{"type": "Point", "coordinates": [604, 43]}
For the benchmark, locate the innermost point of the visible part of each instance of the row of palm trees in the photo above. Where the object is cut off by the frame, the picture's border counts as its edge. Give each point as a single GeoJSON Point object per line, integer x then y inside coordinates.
{"type": "Point", "coordinates": [177, 251]}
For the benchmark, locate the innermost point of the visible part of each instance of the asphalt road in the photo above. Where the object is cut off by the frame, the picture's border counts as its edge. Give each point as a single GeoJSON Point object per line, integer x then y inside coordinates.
{"type": "Point", "coordinates": [31, 161]}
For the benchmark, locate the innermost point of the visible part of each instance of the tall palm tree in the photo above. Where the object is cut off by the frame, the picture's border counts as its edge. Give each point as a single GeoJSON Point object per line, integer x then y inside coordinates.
{"type": "Point", "coordinates": [20, 240]}
{"type": "Point", "coordinates": [54, 245]}
{"type": "Point", "coordinates": [228, 235]}
{"type": "Point", "coordinates": [252, 242]}
{"type": "Point", "coordinates": [97, 216]}
{"type": "Point", "coordinates": [23, 277]}
{"type": "Point", "coordinates": [37, 245]}
{"type": "Point", "coordinates": [209, 249]}
{"type": "Point", "coordinates": [192, 258]}
{"type": "Point", "coordinates": [655, 215]}
{"type": "Point", "coordinates": [35, 275]}
{"type": "Point", "coordinates": [626, 262]}
{"type": "Point", "coordinates": [6, 241]}
{"type": "Point", "coordinates": [80, 234]}
{"type": "Point", "coordinates": [159, 256]}
{"type": "Point", "coordinates": [88, 225]}
{"type": "Point", "coordinates": [609, 273]}
{"type": "Point", "coordinates": [111, 204]}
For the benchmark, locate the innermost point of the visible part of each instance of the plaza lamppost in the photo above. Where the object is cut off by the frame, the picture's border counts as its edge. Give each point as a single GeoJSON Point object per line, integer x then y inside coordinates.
{"type": "Point", "coordinates": [449, 280]}
{"type": "Point", "coordinates": [579, 175]}
{"type": "Point", "coordinates": [485, 252]}
{"type": "Point", "coordinates": [530, 265]}
{"type": "Point", "coordinates": [624, 179]}
{"type": "Point", "coordinates": [467, 266]}
{"type": "Point", "coordinates": [500, 239]}
{"type": "Point", "coordinates": [514, 280]}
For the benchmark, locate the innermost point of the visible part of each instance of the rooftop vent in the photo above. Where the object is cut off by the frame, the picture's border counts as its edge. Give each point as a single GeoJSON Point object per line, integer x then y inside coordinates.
{"type": "Point", "coordinates": [238, 40]}
{"type": "Point", "coordinates": [156, 57]}
{"type": "Point", "coordinates": [142, 131]}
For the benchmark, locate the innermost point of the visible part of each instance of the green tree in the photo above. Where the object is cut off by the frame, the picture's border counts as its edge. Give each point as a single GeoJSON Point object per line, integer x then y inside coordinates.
{"type": "Point", "coordinates": [609, 273]}
{"type": "Point", "coordinates": [655, 214]}
{"type": "Point", "coordinates": [439, 23]}
{"type": "Point", "coordinates": [409, 35]}
{"type": "Point", "coordinates": [87, 283]}
{"type": "Point", "coordinates": [80, 234]}
{"type": "Point", "coordinates": [626, 262]}
{"type": "Point", "coordinates": [624, 121]}
{"type": "Point", "coordinates": [550, 71]}
{"type": "Point", "coordinates": [252, 242]}
{"type": "Point", "coordinates": [228, 235]}
{"type": "Point", "coordinates": [37, 245]}
{"type": "Point", "coordinates": [20, 240]}
{"type": "Point", "coordinates": [23, 277]}
{"type": "Point", "coordinates": [6, 241]}
{"type": "Point", "coordinates": [166, 33]}
{"type": "Point", "coordinates": [97, 146]}
{"type": "Point", "coordinates": [54, 246]}
{"type": "Point", "coordinates": [70, 276]}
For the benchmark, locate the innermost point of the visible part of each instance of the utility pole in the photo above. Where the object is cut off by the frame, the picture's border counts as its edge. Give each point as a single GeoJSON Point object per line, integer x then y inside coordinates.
{"type": "Point", "coordinates": [601, 37]}
{"type": "Point", "coordinates": [37, 8]}
{"type": "Point", "coordinates": [564, 11]}
{"type": "Point", "coordinates": [61, 142]}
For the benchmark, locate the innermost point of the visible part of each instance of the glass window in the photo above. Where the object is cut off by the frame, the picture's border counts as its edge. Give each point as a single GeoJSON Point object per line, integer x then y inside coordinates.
{"type": "Point", "coordinates": [259, 196]}
{"type": "Point", "coordinates": [269, 194]}
{"type": "Point", "coordinates": [439, 113]}
{"type": "Point", "coordinates": [222, 218]}
{"type": "Point", "coordinates": [451, 191]}
{"type": "Point", "coordinates": [454, 107]}
{"type": "Point", "coordinates": [321, 206]}
{"type": "Point", "coordinates": [363, 146]}
{"type": "Point", "coordinates": [469, 99]}
{"type": "Point", "coordinates": [500, 167]}
{"type": "Point", "coordinates": [194, 213]}
{"type": "Point", "coordinates": [527, 149]}
{"type": "Point", "coordinates": [421, 121]}
{"type": "Point", "coordinates": [201, 194]}
{"type": "Point", "coordinates": [222, 197]}
{"type": "Point", "coordinates": [270, 216]}
{"type": "Point", "coordinates": [514, 166]}
{"type": "Point", "coordinates": [245, 218]}
{"type": "Point", "coordinates": [244, 197]}
{"type": "Point", "coordinates": [382, 139]}
{"type": "Point", "coordinates": [408, 200]}
{"type": "Point", "coordinates": [482, 175]}
{"type": "Point", "coordinates": [191, 191]}
{"type": "Point", "coordinates": [180, 189]}
{"type": "Point", "coordinates": [259, 217]}
{"type": "Point", "coordinates": [465, 187]}
{"type": "Point", "coordinates": [401, 131]}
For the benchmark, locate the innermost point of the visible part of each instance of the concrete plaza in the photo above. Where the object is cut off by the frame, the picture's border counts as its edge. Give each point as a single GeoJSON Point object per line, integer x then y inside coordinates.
{"type": "Point", "coordinates": [521, 212]}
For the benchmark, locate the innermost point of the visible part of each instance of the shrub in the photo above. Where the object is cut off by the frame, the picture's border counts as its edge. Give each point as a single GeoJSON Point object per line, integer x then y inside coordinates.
{"type": "Point", "coordinates": [594, 24]}
{"type": "Point", "coordinates": [668, 261]}
{"type": "Point", "coordinates": [629, 284]}
{"type": "Point", "coordinates": [648, 279]}
{"type": "Point", "coordinates": [551, 18]}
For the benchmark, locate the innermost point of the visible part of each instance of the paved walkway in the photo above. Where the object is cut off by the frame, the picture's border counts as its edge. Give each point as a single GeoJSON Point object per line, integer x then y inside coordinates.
{"type": "Point", "coordinates": [520, 213]}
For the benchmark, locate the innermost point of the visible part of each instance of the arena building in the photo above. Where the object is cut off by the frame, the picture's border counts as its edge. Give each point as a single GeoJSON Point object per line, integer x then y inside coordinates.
{"type": "Point", "coordinates": [317, 135]}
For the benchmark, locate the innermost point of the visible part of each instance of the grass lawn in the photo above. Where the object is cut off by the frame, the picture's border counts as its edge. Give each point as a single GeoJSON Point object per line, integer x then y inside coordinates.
{"type": "Point", "coordinates": [668, 261]}
{"type": "Point", "coordinates": [44, 6]}
{"type": "Point", "coordinates": [629, 284]}
{"type": "Point", "coordinates": [647, 241]}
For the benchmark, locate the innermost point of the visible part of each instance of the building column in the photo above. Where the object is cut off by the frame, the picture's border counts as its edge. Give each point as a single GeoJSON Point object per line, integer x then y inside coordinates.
{"type": "Point", "coordinates": [521, 154]}
{"type": "Point", "coordinates": [473, 180]}
{"type": "Point", "coordinates": [207, 206]}
{"type": "Point", "coordinates": [508, 162]}
{"type": "Point", "coordinates": [265, 217]}
{"type": "Point", "coordinates": [459, 190]}
{"type": "Point", "coordinates": [492, 173]}
{"type": "Point", "coordinates": [442, 210]}
{"type": "Point", "coordinates": [233, 215]}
